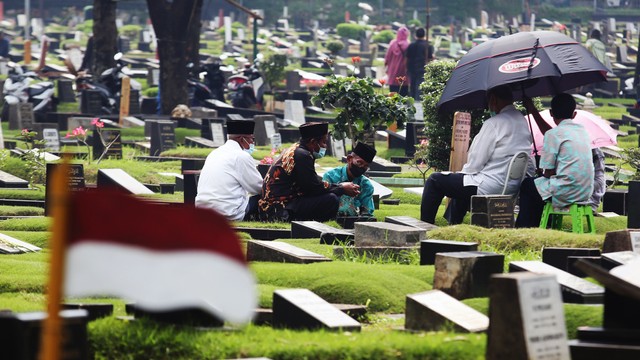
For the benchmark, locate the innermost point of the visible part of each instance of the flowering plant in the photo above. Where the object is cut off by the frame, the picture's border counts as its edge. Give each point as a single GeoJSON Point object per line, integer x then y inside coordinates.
{"type": "Point", "coordinates": [419, 160]}
{"type": "Point", "coordinates": [268, 160]}
{"type": "Point", "coordinates": [81, 135]}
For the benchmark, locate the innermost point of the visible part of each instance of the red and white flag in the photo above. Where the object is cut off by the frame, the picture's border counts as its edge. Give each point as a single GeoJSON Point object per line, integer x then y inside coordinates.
{"type": "Point", "coordinates": [163, 257]}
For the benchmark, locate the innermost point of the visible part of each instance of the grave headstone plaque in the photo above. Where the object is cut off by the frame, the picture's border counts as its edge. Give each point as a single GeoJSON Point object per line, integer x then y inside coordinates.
{"type": "Point", "coordinates": [313, 229]}
{"type": "Point", "coordinates": [492, 211]}
{"type": "Point", "coordinates": [106, 138]}
{"type": "Point", "coordinates": [433, 310]}
{"type": "Point", "coordinates": [429, 249]}
{"type": "Point", "coordinates": [65, 91]}
{"type": "Point", "coordinates": [163, 136]}
{"type": "Point", "coordinates": [265, 128]}
{"type": "Point", "coordinates": [574, 289]}
{"type": "Point", "coordinates": [410, 221]}
{"type": "Point", "coordinates": [466, 274]}
{"type": "Point", "coordinates": [557, 257]}
{"type": "Point", "coordinates": [613, 259]}
{"type": "Point", "coordinates": [414, 135]}
{"type": "Point", "coordinates": [460, 140]}
{"type": "Point", "coordinates": [386, 234]}
{"type": "Point", "coordinates": [214, 130]}
{"type": "Point", "coordinates": [622, 240]}
{"type": "Point", "coordinates": [293, 81]}
{"type": "Point", "coordinates": [526, 318]}
{"type": "Point", "coordinates": [91, 102]}
{"type": "Point", "coordinates": [278, 251]}
{"type": "Point", "coordinates": [276, 141]}
{"type": "Point", "coordinates": [75, 178]}
{"type": "Point", "coordinates": [11, 181]}
{"type": "Point", "coordinates": [302, 309]}
{"type": "Point", "coordinates": [294, 111]}
{"type": "Point", "coordinates": [615, 200]}
{"type": "Point", "coordinates": [119, 179]}
{"type": "Point", "coordinates": [26, 115]}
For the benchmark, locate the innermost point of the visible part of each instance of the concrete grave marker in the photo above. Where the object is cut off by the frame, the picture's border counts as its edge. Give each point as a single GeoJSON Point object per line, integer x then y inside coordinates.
{"type": "Point", "coordinates": [414, 135]}
{"type": "Point", "coordinates": [526, 318]}
{"type": "Point", "coordinates": [622, 240]}
{"type": "Point", "coordinates": [317, 230]}
{"type": "Point", "coordinates": [100, 143]}
{"type": "Point", "coordinates": [265, 128]}
{"type": "Point", "coordinates": [91, 102]}
{"type": "Point", "coordinates": [386, 234]}
{"type": "Point", "coordinates": [11, 245]}
{"type": "Point", "coordinates": [74, 122]}
{"type": "Point", "coordinates": [460, 140]}
{"type": "Point", "coordinates": [163, 136]}
{"type": "Point", "coordinates": [429, 249]}
{"type": "Point", "coordinates": [11, 181]}
{"type": "Point", "coordinates": [410, 221]}
{"type": "Point", "coordinates": [433, 310]}
{"type": "Point", "coordinates": [294, 111]}
{"type": "Point", "coordinates": [276, 141]}
{"type": "Point", "coordinates": [302, 309]}
{"type": "Point", "coordinates": [51, 139]}
{"type": "Point", "coordinates": [557, 257]}
{"type": "Point", "coordinates": [118, 178]}
{"type": "Point", "coordinates": [633, 215]}
{"type": "Point", "coordinates": [492, 211]}
{"type": "Point", "coordinates": [278, 251]}
{"type": "Point", "coordinates": [466, 274]}
{"type": "Point", "coordinates": [613, 259]}
{"type": "Point", "coordinates": [65, 91]}
{"type": "Point", "coordinates": [574, 289]}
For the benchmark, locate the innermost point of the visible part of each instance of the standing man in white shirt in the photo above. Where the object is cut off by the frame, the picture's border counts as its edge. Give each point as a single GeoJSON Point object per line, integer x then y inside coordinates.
{"type": "Point", "coordinates": [229, 182]}
{"type": "Point", "coordinates": [501, 137]}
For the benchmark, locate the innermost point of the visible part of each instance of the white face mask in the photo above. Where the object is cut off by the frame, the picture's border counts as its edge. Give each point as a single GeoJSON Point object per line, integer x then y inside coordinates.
{"type": "Point", "coordinates": [251, 148]}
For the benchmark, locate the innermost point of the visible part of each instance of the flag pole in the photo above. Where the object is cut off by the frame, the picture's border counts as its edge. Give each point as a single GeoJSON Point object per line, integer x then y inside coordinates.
{"type": "Point", "coordinates": [50, 348]}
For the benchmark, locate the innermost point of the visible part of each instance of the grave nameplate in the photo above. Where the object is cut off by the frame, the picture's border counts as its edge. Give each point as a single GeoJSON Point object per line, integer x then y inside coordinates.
{"type": "Point", "coordinates": [557, 257]}
{"type": "Point", "coordinates": [106, 138]}
{"type": "Point", "coordinates": [460, 140]}
{"type": "Point", "coordinates": [433, 310]}
{"type": "Point", "coordinates": [410, 221]}
{"type": "Point", "coordinates": [276, 141]}
{"type": "Point", "coordinates": [91, 102]}
{"type": "Point", "coordinates": [313, 229]}
{"type": "Point", "coordinates": [11, 181]}
{"type": "Point", "coordinates": [397, 140]}
{"type": "Point", "coordinates": [12, 245]}
{"type": "Point", "coordinates": [265, 128]}
{"type": "Point", "coordinates": [51, 139]}
{"type": "Point", "coordinates": [492, 211]}
{"type": "Point", "coordinates": [75, 181]}
{"type": "Point", "coordinates": [337, 148]}
{"type": "Point", "coordinates": [197, 141]}
{"type": "Point", "coordinates": [429, 249]}
{"type": "Point", "coordinates": [235, 117]}
{"type": "Point", "coordinates": [65, 91]}
{"type": "Point", "coordinates": [278, 251]}
{"type": "Point", "coordinates": [613, 259]}
{"type": "Point", "coordinates": [294, 111]}
{"type": "Point", "coordinates": [214, 130]}
{"type": "Point", "coordinates": [622, 240]}
{"type": "Point", "coordinates": [574, 289]}
{"type": "Point", "coordinates": [119, 179]}
{"type": "Point", "coordinates": [414, 135]}
{"type": "Point", "coordinates": [20, 335]}
{"type": "Point", "coordinates": [386, 234]}
{"type": "Point", "coordinates": [531, 327]}
{"type": "Point", "coordinates": [381, 164]}
{"type": "Point", "coordinates": [302, 309]}
{"type": "Point", "coordinates": [27, 119]}
{"type": "Point", "coordinates": [466, 274]}
{"type": "Point", "coordinates": [163, 136]}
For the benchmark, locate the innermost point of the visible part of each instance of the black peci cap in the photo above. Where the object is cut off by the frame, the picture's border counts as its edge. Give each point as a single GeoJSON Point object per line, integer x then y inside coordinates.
{"type": "Point", "coordinates": [365, 151]}
{"type": "Point", "coordinates": [240, 127]}
{"type": "Point", "coordinates": [313, 130]}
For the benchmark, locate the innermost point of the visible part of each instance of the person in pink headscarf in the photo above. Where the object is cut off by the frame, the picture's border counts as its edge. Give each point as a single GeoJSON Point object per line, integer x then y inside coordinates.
{"type": "Point", "coordinates": [395, 61]}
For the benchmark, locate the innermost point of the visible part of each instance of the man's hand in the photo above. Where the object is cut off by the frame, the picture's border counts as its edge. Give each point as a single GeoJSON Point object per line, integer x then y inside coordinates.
{"type": "Point", "coordinates": [350, 189]}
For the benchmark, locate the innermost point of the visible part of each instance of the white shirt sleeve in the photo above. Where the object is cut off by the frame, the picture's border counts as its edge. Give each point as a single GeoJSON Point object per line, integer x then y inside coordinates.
{"type": "Point", "coordinates": [481, 149]}
{"type": "Point", "coordinates": [247, 175]}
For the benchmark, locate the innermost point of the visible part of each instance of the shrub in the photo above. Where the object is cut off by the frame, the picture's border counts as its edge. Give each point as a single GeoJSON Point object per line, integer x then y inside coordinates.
{"type": "Point", "coordinates": [151, 92]}
{"type": "Point", "coordinates": [130, 31]}
{"type": "Point", "coordinates": [334, 46]}
{"type": "Point", "coordinates": [414, 23]}
{"type": "Point", "coordinates": [383, 37]}
{"type": "Point", "coordinates": [273, 68]}
{"type": "Point", "coordinates": [350, 31]}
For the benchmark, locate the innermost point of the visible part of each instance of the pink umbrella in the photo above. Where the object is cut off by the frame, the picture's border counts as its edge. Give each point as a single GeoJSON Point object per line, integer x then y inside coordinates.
{"type": "Point", "coordinates": [600, 133]}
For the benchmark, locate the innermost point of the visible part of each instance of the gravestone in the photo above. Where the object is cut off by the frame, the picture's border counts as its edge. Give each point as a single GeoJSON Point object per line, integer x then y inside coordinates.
{"type": "Point", "coordinates": [189, 316]}
{"type": "Point", "coordinates": [119, 179]}
{"type": "Point", "coordinates": [265, 128]}
{"type": "Point", "coordinates": [410, 221]}
{"type": "Point", "coordinates": [65, 91]}
{"type": "Point", "coordinates": [276, 141]}
{"type": "Point", "coordinates": [20, 335]}
{"type": "Point", "coordinates": [460, 140]}
{"type": "Point", "coordinates": [281, 252]}
{"type": "Point", "coordinates": [615, 200]}
{"type": "Point", "coordinates": [317, 230]}
{"type": "Point", "coordinates": [574, 289]}
{"type": "Point", "coordinates": [434, 310]}
{"type": "Point", "coordinates": [466, 274]}
{"type": "Point", "coordinates": [294, 112]}
{"type": "Point", "coordinates": [429, 249]}
{"type": "Point", "coordinates": [526, 318]}
{"type": "Point", "coordinates": [557, 257]}
{"type": "Point", "coordinates": [21, 116]}
{"type": "Point", "coordinates": [214, 130]}
{"type": "Point", "coordinates": [414, 135]}
{"type": "Point", "coordinates": [381, 164]}
{"type": "Point", "coordinates": [492, 211]}
{"type": "Point", "coordinates": [397, 140]}
{"type": "Point", "coordinates": [573, 260]}
{"type": "Point", "coordinates": [163, 136]}
{"type": "Point", "coordinates": [293, 80]}
{"type": "Point", "coordinates": [622, 240]}
{"type": "Point", "coordinates": [348, 222]}
{"type": "Point", "coordinates": [197, 141]}
{"type": "Point", "coordinates": [132, 121]}
{"type": "Point", "coordinates": [51, 138]}
{"type": "Point", "coordinates": [11, 181]}
{"type": "Point", "coordinates": [386, 234]}
{"type": "Point", "coordinates": [11, 245]}
{"type": "Point", "coordinates": [102, 140]}
{"type": "Point", "coordinates": [633, 215]}
{"type": "Point", "coordinates": [91, 102]}
{"type": "Point", "coordinates": [94, 311]}
{"type": "Point", "coordinates": [75, 179]}
{"type": "Point", "coordinates": [613, 259]}
{"type": "Point", "coordinates": [302, 309]}
{"type": "Point", "coordinates": [336, 148]}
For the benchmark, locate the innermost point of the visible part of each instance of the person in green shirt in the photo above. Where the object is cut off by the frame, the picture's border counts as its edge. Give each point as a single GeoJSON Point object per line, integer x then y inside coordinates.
{"type": "Point", "coordinates": [357, 164]}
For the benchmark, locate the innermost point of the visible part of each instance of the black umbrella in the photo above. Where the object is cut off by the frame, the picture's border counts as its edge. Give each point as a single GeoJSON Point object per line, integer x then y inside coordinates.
{"type": "Point", "coordinates": [536, 63]}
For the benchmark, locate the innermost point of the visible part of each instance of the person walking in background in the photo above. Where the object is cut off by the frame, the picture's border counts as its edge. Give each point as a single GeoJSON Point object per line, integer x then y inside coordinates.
{"type": "Point", "coordinates": [419, 53]}
{"type": "Point", "coordinates": [4, 45]}
{"type": "Point", "coordinates": [598, 48]}
{"type": "Point", "coordinates": [396, 62]}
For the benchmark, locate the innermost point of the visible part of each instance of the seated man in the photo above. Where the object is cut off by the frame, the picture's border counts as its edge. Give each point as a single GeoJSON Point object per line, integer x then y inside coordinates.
{"type": "Point", "coordinates": [501, 137]}
{"type": "Point", "coordinates": [229, 182]}
{"type": "Point", "coordinates": [357, 164]}
{"type": "Point", "coordinates": [567, 163]}
{"type": "Point", "coordinates": [292, 189]}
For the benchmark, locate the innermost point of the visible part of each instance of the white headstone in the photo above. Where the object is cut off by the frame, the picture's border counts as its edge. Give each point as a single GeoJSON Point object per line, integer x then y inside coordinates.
{"type": "Point", "coordinates": [612, 25]}
{"type": "Point", "coordinates": [473, 23]}
{"type": "Point", "coordinates": [51, 139]}
{"type": "Point", "coordinates": [75, 56]}
{"type": "Point", "coordinates": [22, 20]}
{"type": "Point", "coordinates": [146, 36]}
{"type": "Point", "coordinates": [227, 30]}
{"type": "Point", "coordinates": [217, 133]}
{"type": "Point", "coordinates": [294, 111]}
{"type": "Point", "coordinates": [119, 23]}
{"type": "Point", "coordinates": [635, 241]}
{"type": "Point", "coordinates": [285, 12]}
{"type": "Point", "coordinates": [533, 22]}
{"type": "Point", "coordinates": [240, 34]}
{"type": "Point", "coordinates": [514, 23]}
{"type": "Point", "coordinates": [269, 128]}
{"type": "Point", "coordinates": [484, 19]}
{"type": "Point", "coordinates": [276, 141]}
{"type": "Point", "coordinates": [37, 27]}
{"type": "Point", "coordinates": [419, 111]}
{"type": "Point", "coordinates": [337, 147]}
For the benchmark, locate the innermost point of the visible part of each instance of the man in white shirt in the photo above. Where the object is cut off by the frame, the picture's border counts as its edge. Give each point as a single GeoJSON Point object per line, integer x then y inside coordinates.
{"type": "Point", "coordinates": [229, 182]}
{"type": "Point", "coordinates": [502, 136]}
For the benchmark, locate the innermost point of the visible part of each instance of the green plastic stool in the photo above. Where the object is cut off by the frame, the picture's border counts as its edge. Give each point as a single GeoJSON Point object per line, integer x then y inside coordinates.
{"type": "Point", "coordinates": [553, 218]}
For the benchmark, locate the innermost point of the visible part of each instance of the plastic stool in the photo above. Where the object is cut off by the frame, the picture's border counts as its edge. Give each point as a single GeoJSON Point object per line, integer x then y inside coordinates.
{"type": "Point", "coordinates": [576, 211]}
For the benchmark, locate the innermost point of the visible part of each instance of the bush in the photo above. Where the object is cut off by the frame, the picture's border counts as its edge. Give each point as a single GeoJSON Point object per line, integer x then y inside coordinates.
{"type": "Point", "coordinates": [151, 92]}
{"type": "Point", "coordinates": [334, 46]}
{"type": "Point", "coordinates": [564, 14]}
{"type": "Point", "coordinates": [350, 31]}
{"type": "Point", "coordinates": [273, 68]}
{"type": "Point", "coordinates": [384, 37]}
{"type": "Point", "coordinates": [414, 23]}
{"type": "Point", "coordinates": [130, 31]}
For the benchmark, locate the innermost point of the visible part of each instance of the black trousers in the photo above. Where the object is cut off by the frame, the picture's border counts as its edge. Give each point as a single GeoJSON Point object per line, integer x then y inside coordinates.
{"type": "Point", "coordinates": [531, 205]}
{"type": "Point", "coordinates": [404, 90]}
{"type": "Point", "coordinates": [319, 208]}
{"type": "Point", "coordinates": [436, 188]}
{"type": "Point", "coordinates": [416, 78]}
{"type": "Point", "coordinates": [251, 212]}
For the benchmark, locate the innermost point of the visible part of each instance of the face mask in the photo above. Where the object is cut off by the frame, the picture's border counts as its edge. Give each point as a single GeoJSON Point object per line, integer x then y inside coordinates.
{"type": "Point", "coordinates": [357, 171]}
{"type": "Point", "coordinates": [492, 113]}
{"type": "Point", "coordinates": [320, 153]}
{"type": "Point", "coordinates": [251, 149]}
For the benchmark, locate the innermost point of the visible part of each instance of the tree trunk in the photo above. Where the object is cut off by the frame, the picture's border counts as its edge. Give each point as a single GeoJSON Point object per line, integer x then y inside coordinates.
{"type": "Point", "coordinates": [193, 34]}
{"type": "Point", "coordinates": [172, 22]}
{"type": "Point", "coordinates": [105, 35]}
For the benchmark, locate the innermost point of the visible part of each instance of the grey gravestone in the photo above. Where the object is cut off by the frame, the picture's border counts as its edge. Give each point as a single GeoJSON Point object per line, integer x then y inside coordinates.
{"type": "Point", "coordinates": [65, 91]}
{"type": "Point", "coordinates": [386, 234]}
{"type": "Point", "coordinates": [214, 130]}
{"type": "Point", "coordinates": [276, 141]}
{"type": "Point", "coordinates": [11, 181]}
{"type": "Point", "coordinates": [235, 117]}
{"type": "Point", "coordinates": [132, 121]}
{"type": "Point", "coordinates": [200, 142]}
{"type": "Point", "coordinates": [163, 136]}
{"type": "Point", "coordinates": [337, 147]}
{"type": "Point", "coordinates": [557, 257]}
{"type": "Point", "coordinates": [108, 137]}
{"type": "Point", "coordinates": [574, 289]}
{"type": "Point", "coordinates": [434, 310]}
{"type": "Point", "coordinates": [277, 251]}
{"type": "Point", "coordinates": [119, 179]}
{"type": "Point", "coordinates": [199, 112]}
{"type": "Point", "coordinates": [293, 81]}
{"type": "Point", "coordinates": [409, 221]}
{"type": "Point", "coordinates": [613, 259]}
{"type": "Point", "coordinates": [429, 249]}
{"type": "Point", "coordinates": [526, 318]}
{"type": "Point", "coordinates": [622, 240]}
{"type": "Point", "coordinates": [21, 116]}
{"type": "Point", "coordinates": [294, 111]}
{"type": "Point", "coordinates": [466, 274]}
{"type": "Point", "coordinates": [51, 138]}
{"type": "Point", "coordinates": [20, 334]}
{"type": "Point", "coordinates": [302, 309]}
{"type": "Point", "coordinates": [94, 311]}
{"type": "Point", "coordinates": [265, 128]}
{"type": "Point", "coordinates": [91, 102]}
{"type": "Point", "coordinates": [317, 230]}
{"type": "Point", "coordinates": [397, 140]}
{"type": "Point", "coordinates": [492, 211]}
{"type": "Point", "coordinates": [380, 164]}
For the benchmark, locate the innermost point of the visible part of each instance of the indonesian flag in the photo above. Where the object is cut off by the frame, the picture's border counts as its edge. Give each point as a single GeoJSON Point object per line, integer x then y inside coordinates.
{"type": "Point", "coordinates": [164, 257]}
